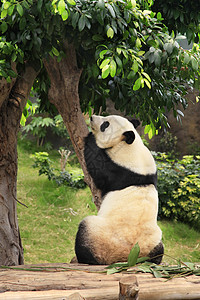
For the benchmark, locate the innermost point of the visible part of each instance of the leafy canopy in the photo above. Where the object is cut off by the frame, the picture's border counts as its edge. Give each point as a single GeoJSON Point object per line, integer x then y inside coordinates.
{"type": "Point", "coordinates": [124, 49]}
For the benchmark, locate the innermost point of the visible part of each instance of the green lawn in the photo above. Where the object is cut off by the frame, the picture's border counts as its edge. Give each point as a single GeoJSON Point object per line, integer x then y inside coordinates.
{"type": "Point", "coordinates": [48, 226]}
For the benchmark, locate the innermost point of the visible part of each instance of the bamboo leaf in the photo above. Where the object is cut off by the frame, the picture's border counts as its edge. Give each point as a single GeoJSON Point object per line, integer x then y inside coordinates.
{"type": "Point", "coordinates": [133, 255]}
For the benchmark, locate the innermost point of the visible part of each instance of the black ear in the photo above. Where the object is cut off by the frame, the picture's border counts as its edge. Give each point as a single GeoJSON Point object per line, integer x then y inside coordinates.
{"type": "Point", "coordinates": [135, 122]}
{"type": "Point", "coordinates": [129, 137]}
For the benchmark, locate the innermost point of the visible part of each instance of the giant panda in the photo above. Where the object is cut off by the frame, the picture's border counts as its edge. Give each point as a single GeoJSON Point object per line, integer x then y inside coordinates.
{"type": "Point", "coordinates": [124, 170]}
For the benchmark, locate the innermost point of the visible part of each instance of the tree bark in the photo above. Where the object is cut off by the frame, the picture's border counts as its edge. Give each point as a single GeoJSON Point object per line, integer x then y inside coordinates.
{"type": "Point", "coordinates": [64, 77]}
{"type": "Point", "coordinates": [13, 98]}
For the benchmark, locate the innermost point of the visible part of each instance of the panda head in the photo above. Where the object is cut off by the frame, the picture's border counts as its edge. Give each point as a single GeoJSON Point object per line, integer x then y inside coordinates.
{"type": "Point", "coordinates": [111, 130]}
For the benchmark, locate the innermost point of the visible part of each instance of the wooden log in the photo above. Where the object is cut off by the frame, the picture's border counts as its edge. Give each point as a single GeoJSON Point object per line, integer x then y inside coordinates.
{"type": "Point", "coordinates": [75, 296]}
{"type": "Point", "coordinates": [60, 281]}
{"type": "Point", "coordinates": [128, 288]}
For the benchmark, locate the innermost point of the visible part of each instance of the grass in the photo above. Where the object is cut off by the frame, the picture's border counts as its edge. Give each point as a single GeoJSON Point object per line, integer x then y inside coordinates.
{"type": "Point", "coordinates": [48, 226]}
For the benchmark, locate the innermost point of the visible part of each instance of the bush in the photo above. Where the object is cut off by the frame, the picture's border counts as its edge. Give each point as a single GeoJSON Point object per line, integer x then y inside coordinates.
{"type": "Point", "coordinates": [179, 188]}
{"type": "Point", "coordinates": [44, 164]}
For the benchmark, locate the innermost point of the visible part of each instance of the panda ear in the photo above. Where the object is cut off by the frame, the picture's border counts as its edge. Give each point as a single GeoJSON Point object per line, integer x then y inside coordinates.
{"type": "Point", "coordinates": [129, 137]}
{"type": "Point", "coordinates": [135, 122]}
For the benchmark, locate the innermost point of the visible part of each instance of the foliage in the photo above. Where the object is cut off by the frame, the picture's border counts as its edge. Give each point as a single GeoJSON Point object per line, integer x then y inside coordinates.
{"type": "Point", "coordinates": [39, 123]}
{"type": "Point", "coordinates": [123, 48]}
{"type": "Point", "coordinates": [38, 127]}
{"type": "Point", "coordinates": [179, 188]}
{"type": "Point", "coordinates": [168, 144]}
{"type": "Point", "coordinates": [180, 16]}
{"type": "Point", "coordinates": [44, 164]}
{"type": "Point", "coordinates": [142, 265]}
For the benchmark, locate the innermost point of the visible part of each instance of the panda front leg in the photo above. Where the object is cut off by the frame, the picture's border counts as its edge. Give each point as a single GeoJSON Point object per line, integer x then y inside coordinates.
{"type": "Point", "coordinates": [83, 247]}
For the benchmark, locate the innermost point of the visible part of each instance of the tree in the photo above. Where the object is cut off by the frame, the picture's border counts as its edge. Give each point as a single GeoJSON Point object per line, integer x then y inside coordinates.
{"type": "Point", "coordinates": [77, 54]}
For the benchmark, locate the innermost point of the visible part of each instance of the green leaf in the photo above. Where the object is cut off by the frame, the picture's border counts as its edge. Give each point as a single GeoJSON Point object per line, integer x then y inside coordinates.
{"type": "Point", "coordinates": [135, 66]}
{"type": "Point", "coordinates": [118, 265]}
{"type": "Point", "coordinates": [10, 10]}
{"type": "Point", "coordinates": [133, 2]}
{"type": "Point", "coordinates": [142, 259]}
{"type": "Point", "coordinates": [81, 23]}
{"type": "Point", "coordinates": [61, 6]}
{"type": "Point", "coordinates": [147, 76]}
{"type": "Point", "coordinates": [105, 71]}
{"type": "Point", "coordinates": [138, 43]}
{"type": "Point", "coordinates": [55, 51]}
{"type": "Point", "coordinates": [157, 58]}
{"type": "Point", "coordinates": [168, 47]}
{"type": "Point", "coordinates": [101, 4]}
{"type": "Point", "coordinates": [20, 9]}
{"type": "Point", "coordinates": [156, 273]}
{"type": "Point", "coordinates": [111, 10]}
{"type": "Point", "coordinates": [133, 255]}
{"type": "Point", "coordinates": [22, 23]}
{"type": "Point", "coordinates": [186, 58]}
{"type": "Point", "coordinates": [75, 18]}
{"type": "Point", "coordinates": [104, 63]}
{"type": "Point", "coordinates": [137, 84]}
{"type": "Point", "coordinates": [14, 56]}
{"type": "Point", "coordinates": [64, 15]}
{"type": "Point", "coordinates": [194, 63]}
{"type": "Point", "coordinates": [6, 5]}
{"type": "Point", "coordinates": [147, 83]}
{"type": "Point", "coordinates": [119, 62]}
{"type": "Point", "coordinates": [4, 13]}
{"type": "Point", "coordinates": [71, 2]}
{"type": "Point", "coordinates": [4, 27]}
{"type": "Point", "coordinates": [113, 67]}
{"type": "Point", "coordinates": [112, 271]}
{"type": "Point", "coordinates": [25, 4]}
{"type": "Point", "coordinates": [145, 268]}
{"type": "Point", "coordinates": [101, 55]}
{"type": "Point", "coordinates": [110, 32]}
{"type": "Point", "coordinates": [131, 75]}
{"type": "Point", "coordinates": [97, 38]}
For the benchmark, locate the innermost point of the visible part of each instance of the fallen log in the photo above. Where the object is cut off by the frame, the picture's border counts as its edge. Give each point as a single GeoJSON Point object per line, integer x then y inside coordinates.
{"type": "Point", "coordinates": [62, 281]}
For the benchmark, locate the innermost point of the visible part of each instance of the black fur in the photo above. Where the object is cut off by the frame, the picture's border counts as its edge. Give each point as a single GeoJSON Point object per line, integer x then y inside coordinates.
{"type": "Point", "coordinates": [104, 125]}
{"type": "Point", "coordinates": [82, 247]}
{"type": "Point", "coordinates": [129, 136]}
{"type": "Point", "coordinates": [156, 254]}
{"type": "Point", "coordinates": [107, 175]}
{"type": "Point", "coordinates": [135, 122]}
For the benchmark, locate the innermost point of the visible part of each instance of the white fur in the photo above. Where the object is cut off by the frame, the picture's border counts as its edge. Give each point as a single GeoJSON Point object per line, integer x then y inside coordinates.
{"type": "Point", "coordinates": [136, 156]}
{"type": "Point", "coordinates": [126, 217]}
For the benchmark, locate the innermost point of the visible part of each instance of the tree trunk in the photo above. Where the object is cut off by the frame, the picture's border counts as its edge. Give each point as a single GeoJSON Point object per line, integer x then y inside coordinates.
{"type": "Point", "coordinates": [63, 93]}
{"type": "Point", "coordinates": [12, 101]}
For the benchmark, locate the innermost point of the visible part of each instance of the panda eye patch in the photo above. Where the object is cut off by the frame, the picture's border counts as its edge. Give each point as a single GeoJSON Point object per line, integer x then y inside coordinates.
{"type": "Point", "coordinates": [104, 125]}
